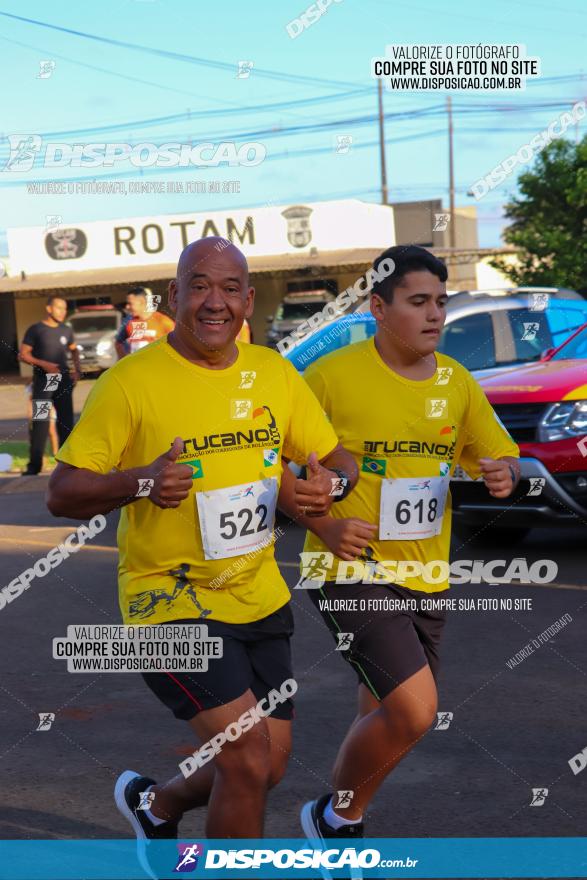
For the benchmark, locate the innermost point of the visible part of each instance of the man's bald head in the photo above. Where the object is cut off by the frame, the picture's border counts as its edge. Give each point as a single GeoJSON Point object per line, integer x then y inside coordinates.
{"type": "Point", "coordinates": [195, 257]}
{"type": "Point", "coordinates": [210, 298]}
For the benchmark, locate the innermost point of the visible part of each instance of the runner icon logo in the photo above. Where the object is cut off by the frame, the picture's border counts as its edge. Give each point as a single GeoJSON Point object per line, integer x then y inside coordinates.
{"type": "Point", "coordinates": [344, 799]}
{"type": "Point", "coordinates": [146, 799]}
{"type": "Point", "coordinates": [244, 69]}
{"type": "Point", "coordinates": [41, 410]}
{"type": "Point", "coordinates": [538, 302]}
{"type": "Point", "coordinates": [247, 378]}
{"type": "Point", "coordinates": [153, 301]}
{"type": "Point", "coordinates": [188, 857]}
{"type": "Point", "coordinates": [240, 409]}
{"type": "Point", "coordinates": [539, 795]}
{"type": "Point", "coordinates": [145, 487]}
{"type": "Point", "coordinates": [46, 719]}
{"type": "Point", "coordinates": [138, 330]}
{"type": "Point", "coordinates": [52, 381]}
{"type": "Point", "coordinates": [344, 641]}
{"type": "Point", "coordinates": [443, 720]}
{"type": "Point", "coordinates": [537, 484]}
{"type": "Point", "coordinates": [441, 222]}
{"type": "Point", "coordinates": [443, 375]}
{"type": "Point", "coordinates": [530, 331]}
{"type": "Point", "coordinates": [315, 565]}
{"type": "Point", "coordinates": [436, 407]}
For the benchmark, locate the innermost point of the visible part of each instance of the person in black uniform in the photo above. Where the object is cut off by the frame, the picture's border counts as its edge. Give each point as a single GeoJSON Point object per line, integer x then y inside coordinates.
{"type": "Point", "coordinates": [45, 346]}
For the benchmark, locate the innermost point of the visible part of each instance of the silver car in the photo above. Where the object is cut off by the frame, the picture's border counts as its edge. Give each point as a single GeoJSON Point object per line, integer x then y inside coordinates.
{"type": "Point", "coordinates": [95, 329]}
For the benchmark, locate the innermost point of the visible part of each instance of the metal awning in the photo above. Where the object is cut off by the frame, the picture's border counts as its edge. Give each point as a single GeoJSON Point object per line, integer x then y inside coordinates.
{"type": "Point", "coordinates": [279, 265]}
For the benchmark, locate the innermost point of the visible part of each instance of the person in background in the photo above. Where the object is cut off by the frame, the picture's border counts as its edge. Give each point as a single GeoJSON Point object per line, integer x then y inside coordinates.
{"type": "Point", "coordinates": [45, 347]}
{"type": "Point", "coordinates": [144, 324]}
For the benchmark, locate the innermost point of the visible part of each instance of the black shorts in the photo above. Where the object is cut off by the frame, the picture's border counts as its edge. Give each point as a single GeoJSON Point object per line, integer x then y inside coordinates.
{"type": "Point", "coordinates": [388, 645]}
{"type": "Point", "coordinates": [255, 656]}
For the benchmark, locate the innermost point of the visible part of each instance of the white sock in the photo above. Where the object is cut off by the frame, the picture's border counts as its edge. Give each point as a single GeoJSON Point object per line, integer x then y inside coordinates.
{"type": "Point", "coordinates": [334, 820]}
{"type": "Point", "coordinates": [151, 817]}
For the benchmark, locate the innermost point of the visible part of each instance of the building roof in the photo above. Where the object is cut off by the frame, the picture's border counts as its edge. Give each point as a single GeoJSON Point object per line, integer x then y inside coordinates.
{"type": "Point", "coordinates": [281, 264]}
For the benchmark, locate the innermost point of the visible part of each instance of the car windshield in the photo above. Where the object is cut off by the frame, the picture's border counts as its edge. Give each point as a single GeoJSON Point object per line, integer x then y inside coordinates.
{"type": "Point", "coordinates": [299, 310]}
{"type": "Point", "coordinates": [93, 323]}
{"type": "Point", "coordinates": [576, 348]}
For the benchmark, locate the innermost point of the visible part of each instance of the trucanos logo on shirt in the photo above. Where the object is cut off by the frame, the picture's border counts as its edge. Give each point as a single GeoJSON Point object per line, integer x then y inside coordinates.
{"type": "Point", "coordinates": [374, 465]}
{"type": "Point", "coordinates": [270, 456]}
{"type": "Point", "coordinates": [411, 448]}
{"type": "Point", "coordinates": [260, 436]}
{"type": "Point", "coordinates": [196, 465]}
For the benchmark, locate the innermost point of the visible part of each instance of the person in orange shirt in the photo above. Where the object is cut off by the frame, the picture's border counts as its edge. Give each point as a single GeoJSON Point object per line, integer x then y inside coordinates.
{"type": "Point", "coordinates": [144, 325]}
{"type": "Point", "coordinates": [245, 334]}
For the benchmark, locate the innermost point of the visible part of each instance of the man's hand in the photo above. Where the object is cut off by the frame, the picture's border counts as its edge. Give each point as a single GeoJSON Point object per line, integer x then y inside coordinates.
{"type": "Point", "coordinates": [497, 476]}
{"type": "Point", "coordinates": [312, 495]}
{"type": "Point", "coordinates": [347, 538]}
{"type": "Point", "coordinates": [48, 367]}
{"type": "Point", "coordinates": [172, 481]}
{"type": "Point", "coordinates": [75, 376]}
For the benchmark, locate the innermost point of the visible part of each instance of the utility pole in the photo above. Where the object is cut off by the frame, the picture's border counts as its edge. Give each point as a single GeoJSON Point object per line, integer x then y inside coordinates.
{"type": "Point", "coordinates": [382, 144]}
{"type": "Point", "coordinates": [451, 174]}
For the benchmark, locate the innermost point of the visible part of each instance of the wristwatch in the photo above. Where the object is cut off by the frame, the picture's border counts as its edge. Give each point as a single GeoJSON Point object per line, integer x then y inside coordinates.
{"type": "Point", "coordinates": [341, 485]}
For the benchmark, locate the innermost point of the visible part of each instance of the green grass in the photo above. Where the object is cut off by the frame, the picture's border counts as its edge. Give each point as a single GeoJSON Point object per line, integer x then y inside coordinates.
{"type": "Point", "coordinates": [19, 450]}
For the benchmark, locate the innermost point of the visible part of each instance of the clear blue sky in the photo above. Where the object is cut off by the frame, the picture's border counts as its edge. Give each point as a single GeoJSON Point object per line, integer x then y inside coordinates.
{"type": "Point", "coordinates": [95, 85]}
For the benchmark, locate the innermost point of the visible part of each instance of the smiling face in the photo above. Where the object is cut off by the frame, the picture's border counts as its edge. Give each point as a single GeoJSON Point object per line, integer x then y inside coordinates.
{"type": "Point", "coordinates": [211, 296]}
{"type": "Point", "coordinates": [412, 322]}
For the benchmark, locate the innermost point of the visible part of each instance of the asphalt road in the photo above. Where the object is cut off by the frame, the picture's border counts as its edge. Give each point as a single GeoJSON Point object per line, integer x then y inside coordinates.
{"type": "Point", "coordinates": [513, 729]}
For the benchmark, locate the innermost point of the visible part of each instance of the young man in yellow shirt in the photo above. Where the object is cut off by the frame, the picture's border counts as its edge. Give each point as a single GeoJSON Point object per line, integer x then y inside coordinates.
{"type": "Point", "coordinates": [408, 415]}
{"type": "Point", "coordinates": [205, 421]}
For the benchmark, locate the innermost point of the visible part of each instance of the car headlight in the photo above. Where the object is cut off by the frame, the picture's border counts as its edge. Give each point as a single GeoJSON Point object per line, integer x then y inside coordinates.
{"type": "Point", "coordinates": [103, 346]}
{"type": "Point", "coordinates": [562, 420]}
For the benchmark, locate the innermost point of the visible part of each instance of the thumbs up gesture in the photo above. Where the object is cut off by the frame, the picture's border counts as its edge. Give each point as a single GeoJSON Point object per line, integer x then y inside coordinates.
{"type": "Point", "coordinates": [172, 482]}
{"type": "Point", "coordinates": [313, 495]}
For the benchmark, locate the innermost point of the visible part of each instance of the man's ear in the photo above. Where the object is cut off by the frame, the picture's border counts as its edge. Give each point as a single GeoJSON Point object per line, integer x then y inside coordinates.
{"type": "Point", "coordinates": [377, 307]}
{"type": "Point", "coordinates": [250, 302]}
{"type": "Point", "coordinates": [172, 295]}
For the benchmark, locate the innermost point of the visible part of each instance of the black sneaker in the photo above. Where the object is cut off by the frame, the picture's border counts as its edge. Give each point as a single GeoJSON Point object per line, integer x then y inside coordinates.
{"type": "Point", "coordinates": [316, 828]}
{"type": "Point", "coordinates": [127, 795]}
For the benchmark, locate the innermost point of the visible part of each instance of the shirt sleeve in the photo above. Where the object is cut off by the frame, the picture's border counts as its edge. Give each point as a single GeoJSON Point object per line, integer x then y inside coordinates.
{"type": "Point", "coordinates": [485, 434]}
{"type": "Point", "coordinates": [122, 334]}
{"type": "Point", "coordinates": [104, 430]}
{"type": "Point", "coordinates": [30, 336]}
{"type": "Point", "coordinates": [309, 430]}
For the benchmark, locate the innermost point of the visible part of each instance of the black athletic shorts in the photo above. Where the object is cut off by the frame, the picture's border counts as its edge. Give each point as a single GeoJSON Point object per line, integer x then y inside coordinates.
{"type": "Point", "coordinates": [389, 642]}
{"type": "Point", "coordinates": [255, 656]}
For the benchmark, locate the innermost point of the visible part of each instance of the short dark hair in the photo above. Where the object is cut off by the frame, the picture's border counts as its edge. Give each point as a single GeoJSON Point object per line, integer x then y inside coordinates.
{"type": "Point", "coordinates": [51, 299]}
{"type": "Point", "coordinates": [407, 258]}
{"type": "Point", "coordinates": [140, 291]}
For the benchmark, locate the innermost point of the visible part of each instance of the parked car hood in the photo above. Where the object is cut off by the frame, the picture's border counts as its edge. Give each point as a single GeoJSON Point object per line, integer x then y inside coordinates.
{"type": "Point", "coordinates": [542, 382]}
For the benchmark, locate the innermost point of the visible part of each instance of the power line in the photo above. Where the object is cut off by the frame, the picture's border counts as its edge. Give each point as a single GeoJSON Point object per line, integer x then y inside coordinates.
{"type": "Point", "coordinates": [187, 59]}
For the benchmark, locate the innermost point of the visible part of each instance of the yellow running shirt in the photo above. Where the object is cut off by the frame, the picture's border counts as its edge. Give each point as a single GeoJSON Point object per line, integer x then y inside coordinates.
{"type": "Point", "coordinates": [235, 424]}
{"type": "Point", "coordinates": [406, 437]}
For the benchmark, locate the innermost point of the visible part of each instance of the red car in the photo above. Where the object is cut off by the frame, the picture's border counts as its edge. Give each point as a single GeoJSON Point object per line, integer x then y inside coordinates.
{"type": "Point", "coordinates": [544, 407]}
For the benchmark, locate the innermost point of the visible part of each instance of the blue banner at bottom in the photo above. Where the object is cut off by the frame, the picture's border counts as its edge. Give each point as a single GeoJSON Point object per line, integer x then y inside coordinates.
{"type": "Point", "coordinates": [484, 857]}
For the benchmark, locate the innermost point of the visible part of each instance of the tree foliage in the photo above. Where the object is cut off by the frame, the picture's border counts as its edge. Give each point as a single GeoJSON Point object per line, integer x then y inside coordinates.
{"type": "Point", "coordinates": [549, 220]}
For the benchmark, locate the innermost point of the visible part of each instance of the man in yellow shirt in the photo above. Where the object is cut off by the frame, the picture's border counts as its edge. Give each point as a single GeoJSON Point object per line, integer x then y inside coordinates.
{"type": "Point", "coordinates": [202, 424]}
{"type": "Point", "coordinates": [408, 415]}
